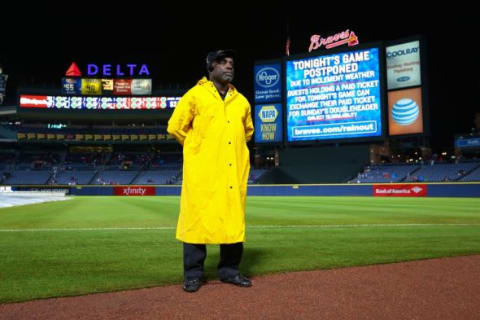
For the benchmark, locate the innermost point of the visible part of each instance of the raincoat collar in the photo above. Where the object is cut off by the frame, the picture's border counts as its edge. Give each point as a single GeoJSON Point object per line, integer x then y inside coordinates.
{"type": "Point", "coordinates": [209, 86]}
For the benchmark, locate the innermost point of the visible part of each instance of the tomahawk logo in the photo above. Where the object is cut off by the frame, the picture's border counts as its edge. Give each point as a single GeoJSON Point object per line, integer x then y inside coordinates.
{"type": "Point", "coordinates": [417, 189]}
{"type": "Point", "coordinates": [134, 191]}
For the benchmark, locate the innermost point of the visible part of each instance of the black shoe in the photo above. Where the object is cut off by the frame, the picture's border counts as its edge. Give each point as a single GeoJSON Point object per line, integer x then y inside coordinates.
{"type": "Point", "coordinates": [192, 285]}
{"type": "Point", "coordinates": [238, 280]}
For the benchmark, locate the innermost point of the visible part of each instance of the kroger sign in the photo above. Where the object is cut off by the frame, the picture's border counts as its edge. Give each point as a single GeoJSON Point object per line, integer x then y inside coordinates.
{"type": "Point", "coordinates": [267, 82]}
{"type": "Point", "coordinates": [267, 77]}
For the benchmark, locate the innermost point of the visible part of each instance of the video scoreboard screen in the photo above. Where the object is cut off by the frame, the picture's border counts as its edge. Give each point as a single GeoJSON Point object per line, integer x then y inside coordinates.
{"type": "Point", "coordinates": [334, 96]}
{"type": "Point", "coordinates": [96, 103]}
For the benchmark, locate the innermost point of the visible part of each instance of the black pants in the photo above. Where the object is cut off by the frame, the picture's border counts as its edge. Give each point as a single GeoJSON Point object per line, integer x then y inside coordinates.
{"type": "Point", "coordinates": [194, 257]}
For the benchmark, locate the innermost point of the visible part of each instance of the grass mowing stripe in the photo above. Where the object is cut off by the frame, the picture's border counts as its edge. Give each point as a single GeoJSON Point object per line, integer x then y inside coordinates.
{"type": "Point", "coordinates": [323, 226]}
{"type": "Point", "coordinates": [86, 229]}
{"type": "Point", "coordinates": [40, 265]}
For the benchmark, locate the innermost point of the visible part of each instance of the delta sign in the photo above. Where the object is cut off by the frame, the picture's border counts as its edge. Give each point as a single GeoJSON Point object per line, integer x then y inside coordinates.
{"type": "Point", "coordinates": [110, 70]}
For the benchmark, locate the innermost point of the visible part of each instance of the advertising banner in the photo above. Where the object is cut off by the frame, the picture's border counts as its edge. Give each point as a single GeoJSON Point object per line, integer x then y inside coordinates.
{"type": "Point", "coordinates": [267, 82]}
{"type": "Point", "coordinates": [71, 86]}
{"type": "Point", "coordinates": [405, 111]}
{"type": "Point", "coordinates": [91, 87]}
{"type": "Point", "coordinates": [97, 103]}
{"type": "Point", "coordinates": [142, 87]}
{"type": "Point", "coordinates": [467, 142]}
{"type": "Point", "coordinates": [107, 86]}
{"type": "Point", "coordinates": [268, 123]}
{"type": "Point", "coordinates": [403, 65]}
{"type": "Point", "coordinates": [134, 191]}
{"type": "Point", "coordinates": [399, 190]}
{"type": "Point", "coordinates": [122, 87]}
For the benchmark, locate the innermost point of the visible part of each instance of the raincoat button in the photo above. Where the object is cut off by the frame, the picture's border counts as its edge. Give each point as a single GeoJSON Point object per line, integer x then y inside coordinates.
{"type": "Point", "coordinates": [230, 164]}
{"type": "Point", "coordinates": [229, 142]}
{"type": "Point", "coordinates": [231, 187]}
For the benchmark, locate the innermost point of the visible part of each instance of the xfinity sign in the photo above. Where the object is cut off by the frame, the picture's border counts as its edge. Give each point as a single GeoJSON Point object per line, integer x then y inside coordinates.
{"type": "Point", "coordinates": [267, 82]}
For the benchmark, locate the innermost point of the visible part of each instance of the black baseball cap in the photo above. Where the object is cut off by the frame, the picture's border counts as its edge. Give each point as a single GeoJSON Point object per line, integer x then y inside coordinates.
{"type": "Point", "coordinates": [219, 55]}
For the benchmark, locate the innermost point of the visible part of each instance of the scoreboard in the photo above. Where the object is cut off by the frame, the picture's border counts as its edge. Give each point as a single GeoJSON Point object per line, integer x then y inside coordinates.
{"type": "Point", "coordinates": [96, 103]}
{"type": "Point", "coordinates": [334, 96]}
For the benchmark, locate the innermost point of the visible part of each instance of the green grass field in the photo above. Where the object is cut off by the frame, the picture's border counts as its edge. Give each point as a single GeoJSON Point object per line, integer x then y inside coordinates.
{"type": "Point", "coordinates": [100, 244]}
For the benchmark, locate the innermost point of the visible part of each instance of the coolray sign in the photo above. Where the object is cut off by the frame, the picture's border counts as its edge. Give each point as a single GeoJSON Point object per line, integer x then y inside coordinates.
{"type": "Point", "coordinates": [338, 39]}
{"type": "Point", "coordinates": [97, 103]}
{"type": "Point", "coordinates": [403, 65]}
{"type": "Point", "coordinates": [134, 191]}
{"type": "Point", "coordinates": [399, 190]}
{"type": "Point", "coordinates": [267, 82]}
{"type": "Point", "coordinates": [117, 70]}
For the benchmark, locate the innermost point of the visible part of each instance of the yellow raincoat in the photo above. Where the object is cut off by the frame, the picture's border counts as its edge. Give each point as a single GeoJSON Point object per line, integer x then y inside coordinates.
{"type": "Point", "coordinates": [216, 163]}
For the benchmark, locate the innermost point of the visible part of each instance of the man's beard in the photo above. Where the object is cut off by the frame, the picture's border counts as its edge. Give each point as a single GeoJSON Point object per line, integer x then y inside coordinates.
{"type": "Point", "coordinates": [227, 76]}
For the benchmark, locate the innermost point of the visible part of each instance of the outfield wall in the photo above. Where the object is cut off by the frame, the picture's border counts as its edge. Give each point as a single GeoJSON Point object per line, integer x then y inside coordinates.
{"type": "Point", "coordinates": [398, 190]}
{"type": "Point", "coordinates": [452, 189]}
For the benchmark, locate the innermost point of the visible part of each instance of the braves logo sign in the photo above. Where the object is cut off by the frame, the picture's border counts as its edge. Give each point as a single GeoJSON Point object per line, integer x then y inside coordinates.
{"type": "Point", "coordinates": [338, 39]}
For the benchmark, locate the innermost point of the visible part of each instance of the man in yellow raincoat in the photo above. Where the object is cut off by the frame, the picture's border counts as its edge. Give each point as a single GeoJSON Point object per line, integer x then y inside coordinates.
{"type": "Point", "coordinates": [213, 123]}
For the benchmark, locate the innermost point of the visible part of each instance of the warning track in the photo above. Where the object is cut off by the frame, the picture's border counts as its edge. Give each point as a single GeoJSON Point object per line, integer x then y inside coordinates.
{"type": "Point", "coordinates": [447, 288]}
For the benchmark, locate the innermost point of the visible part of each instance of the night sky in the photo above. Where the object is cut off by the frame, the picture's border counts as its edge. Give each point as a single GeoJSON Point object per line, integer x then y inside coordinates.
{"type": "Point", "coordinates": [174, 44]}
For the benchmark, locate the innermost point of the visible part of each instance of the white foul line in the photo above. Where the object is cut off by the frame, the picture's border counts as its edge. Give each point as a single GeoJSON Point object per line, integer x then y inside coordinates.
{"type": "Point", "coordinates": [318, 226]}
